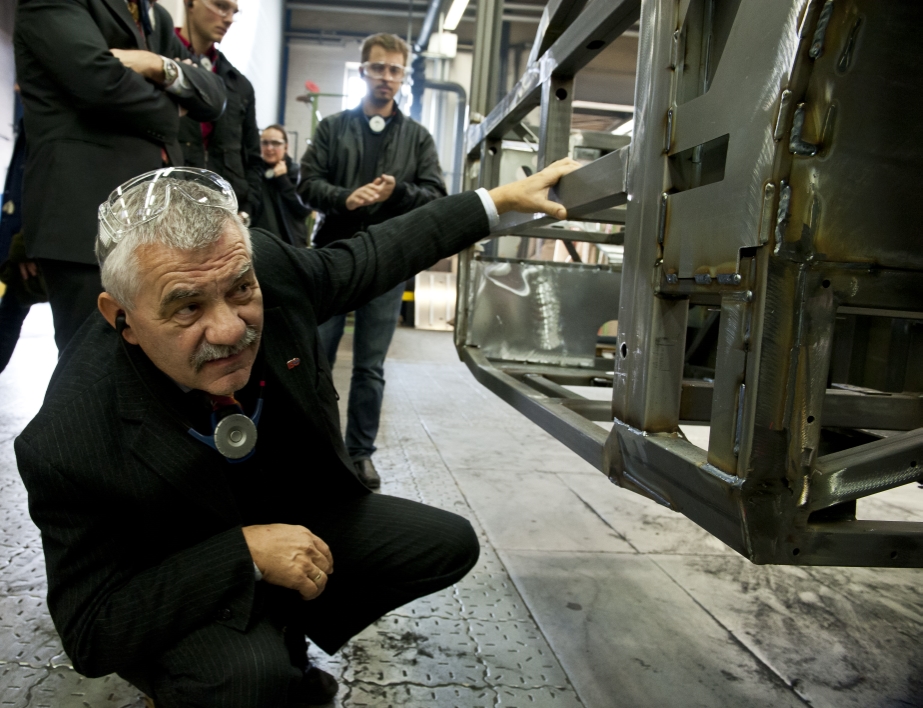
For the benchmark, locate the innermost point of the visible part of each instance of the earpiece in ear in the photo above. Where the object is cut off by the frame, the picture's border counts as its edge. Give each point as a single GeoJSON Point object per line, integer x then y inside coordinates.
{"type": "Point", "coordinates": [120, 322]}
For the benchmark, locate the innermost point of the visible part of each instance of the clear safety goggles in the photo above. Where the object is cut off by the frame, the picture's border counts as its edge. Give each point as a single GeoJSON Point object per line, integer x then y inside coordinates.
{"type": "Point", "coordinates": [147, 196]}
{"type": "Point", "coordinates": [380, 70]}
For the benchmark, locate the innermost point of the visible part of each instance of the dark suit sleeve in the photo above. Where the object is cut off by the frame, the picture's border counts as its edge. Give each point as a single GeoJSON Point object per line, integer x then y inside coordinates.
{"type": "Point", "coordinates": [109, 615]}
{"type": "Point", "coordinates": [63, 38]}
{"type": "Point", "coordinates": [426, 185]}
{"type": "Point", "coordinates": [316, 188]}
{"type": "Point", "coordinates": [348, 273]}
{"type": "Point", "coordinates": [208, 96]}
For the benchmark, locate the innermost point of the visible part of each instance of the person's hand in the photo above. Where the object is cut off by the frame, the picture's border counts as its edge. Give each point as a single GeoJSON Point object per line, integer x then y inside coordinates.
{"type": "Point", "coordinates": [280, 168]}
{"type": "Point", "coordinates": [530, 195]}
{"type": "Point", "coordinates": [28, 270]}
{"type": "Point", "coordinates": [365, 195]}
{"type": "Point", "coordinates": [148, 64]}
{"type": "Point", "coordinates": [290, 556]}
{"type": "Point", "coordinates": [386, 184]}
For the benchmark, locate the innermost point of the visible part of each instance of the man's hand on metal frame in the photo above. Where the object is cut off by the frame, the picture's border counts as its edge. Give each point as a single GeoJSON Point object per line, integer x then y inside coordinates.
{"type": "Point", "coordinates": [530, 195]}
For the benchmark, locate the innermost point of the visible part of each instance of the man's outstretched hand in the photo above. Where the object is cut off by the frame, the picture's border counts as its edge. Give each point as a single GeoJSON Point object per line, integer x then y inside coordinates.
{"type": "Point", "coordinates": [530, 195]}
{"type": "Point", "coordinates": [290, 556]}
{"type": "Point", "coordinates": [378, 191]}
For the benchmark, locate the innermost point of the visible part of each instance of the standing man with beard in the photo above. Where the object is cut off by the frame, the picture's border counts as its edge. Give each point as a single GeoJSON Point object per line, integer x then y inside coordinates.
{"type": "Point", "coordinates": [230, 145]}
{"type": "Point", "coordinates": [365, 166]}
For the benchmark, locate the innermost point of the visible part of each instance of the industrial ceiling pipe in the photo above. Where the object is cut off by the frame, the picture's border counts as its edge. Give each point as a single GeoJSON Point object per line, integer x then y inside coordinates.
{"type": "Point", "coordinates": [419, 62]}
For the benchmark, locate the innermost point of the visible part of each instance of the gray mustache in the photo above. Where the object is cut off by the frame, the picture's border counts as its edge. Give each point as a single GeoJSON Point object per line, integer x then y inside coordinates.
{"type": "Point", "coordinates": [209, 352]}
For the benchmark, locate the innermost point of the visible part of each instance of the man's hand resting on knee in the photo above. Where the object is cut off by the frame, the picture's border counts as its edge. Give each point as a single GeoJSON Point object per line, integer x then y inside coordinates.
{"type": "Point", "coordinates": [530, 195]}
{"type": "Point", "coordinates": [290, 556]}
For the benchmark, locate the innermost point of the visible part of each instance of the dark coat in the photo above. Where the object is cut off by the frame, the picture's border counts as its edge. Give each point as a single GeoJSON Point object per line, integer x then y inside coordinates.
{"type": "Point", "coordinates": [281, 206]}
{"type": "Point", "coordinates": [91, 123]}
{"type": "Point", "coordinates": [234, 144]}
{"type": "Point", "coordinates": [332, 170]}
{"type": "Point", "coordinates": [142, 538]}
{"type": "Point", "coordinates": [11, 218]}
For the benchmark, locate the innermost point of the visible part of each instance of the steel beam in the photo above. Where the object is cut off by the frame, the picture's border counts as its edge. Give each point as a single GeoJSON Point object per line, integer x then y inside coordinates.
{"type": "Point", "coordinates": [574, 49]}
{"type": "Point", "coordinates": [600, 185]}
{"type": "Point", "coordinates": [574, 430]}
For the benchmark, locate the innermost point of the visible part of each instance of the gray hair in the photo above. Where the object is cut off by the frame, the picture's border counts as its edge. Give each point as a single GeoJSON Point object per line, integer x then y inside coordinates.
{"type": "Point", "coordinates": [183, 224]}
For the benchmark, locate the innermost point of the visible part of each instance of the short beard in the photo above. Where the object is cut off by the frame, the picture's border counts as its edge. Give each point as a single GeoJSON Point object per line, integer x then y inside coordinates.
{"type": "Point", "coordinates": [210, 352]}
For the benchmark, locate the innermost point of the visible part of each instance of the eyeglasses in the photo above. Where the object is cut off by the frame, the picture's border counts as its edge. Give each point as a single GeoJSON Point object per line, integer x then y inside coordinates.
{"type": "Point", "coordinates": [379, 70]}
{"type": "Point", "coordinates": [146, 197]}
{"type": "Point", "coordinates": [222, 8]}
{"type": "Point", "coordinates": [272, 143]}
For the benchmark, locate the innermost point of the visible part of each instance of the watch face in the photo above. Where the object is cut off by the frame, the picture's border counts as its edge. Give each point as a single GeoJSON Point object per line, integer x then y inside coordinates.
{"type": "Point", "coordinates": [170, 72]}
{"type": "Point", "coordinates": [377, 124]}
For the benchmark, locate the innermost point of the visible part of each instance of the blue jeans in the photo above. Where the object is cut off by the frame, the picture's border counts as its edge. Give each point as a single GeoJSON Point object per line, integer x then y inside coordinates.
{"type": "Point", "coordinates": [375, 325]}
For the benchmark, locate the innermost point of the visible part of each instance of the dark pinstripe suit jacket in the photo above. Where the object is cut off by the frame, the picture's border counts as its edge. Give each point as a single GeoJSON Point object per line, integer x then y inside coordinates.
{"type": "Point", "coordinates": [141, 536]}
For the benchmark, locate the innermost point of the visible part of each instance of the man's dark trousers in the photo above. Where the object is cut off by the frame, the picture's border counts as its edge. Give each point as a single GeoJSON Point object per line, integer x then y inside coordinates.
{"type": "Point", "coordinates": [374, 329]}
{"type": "Point", "coordinates": [387, 551]}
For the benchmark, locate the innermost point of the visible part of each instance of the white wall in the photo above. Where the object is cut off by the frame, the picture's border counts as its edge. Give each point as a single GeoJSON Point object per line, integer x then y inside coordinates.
{"type": "Point", "coordinates": [325, 65]}
{"type": "Point", "coordinates": [254, 46]}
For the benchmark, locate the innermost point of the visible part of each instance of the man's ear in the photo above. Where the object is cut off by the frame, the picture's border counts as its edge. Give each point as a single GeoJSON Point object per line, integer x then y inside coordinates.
{"type": "Point", "coordinates": [115, 315]}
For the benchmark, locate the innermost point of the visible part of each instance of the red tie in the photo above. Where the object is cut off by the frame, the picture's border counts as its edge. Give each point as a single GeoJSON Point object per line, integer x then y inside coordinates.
{"type": "Point", "coordinates": [219, 402]}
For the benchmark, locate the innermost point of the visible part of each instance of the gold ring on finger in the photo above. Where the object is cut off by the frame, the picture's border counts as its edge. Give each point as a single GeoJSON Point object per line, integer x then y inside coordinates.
{"type": "Point", "coordinates": [320, 574]}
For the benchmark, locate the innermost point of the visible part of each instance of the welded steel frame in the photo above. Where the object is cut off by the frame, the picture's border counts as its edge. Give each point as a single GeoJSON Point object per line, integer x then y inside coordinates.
{"type": "Point", "coordinates": [762, 487]}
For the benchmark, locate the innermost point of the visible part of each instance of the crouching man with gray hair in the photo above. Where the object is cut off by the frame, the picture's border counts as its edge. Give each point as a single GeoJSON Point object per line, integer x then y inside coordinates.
{"type": "Point", "coordinates": [199, 512]}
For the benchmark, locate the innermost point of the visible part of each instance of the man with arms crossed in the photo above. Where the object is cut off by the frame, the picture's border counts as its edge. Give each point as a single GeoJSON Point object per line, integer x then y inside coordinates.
{"type": "Point", "coordinates": [184, 549]}
{"type": "Point", "coordinates": [103, 95]}
{"type": "Point", "coordinates": [365, 166]}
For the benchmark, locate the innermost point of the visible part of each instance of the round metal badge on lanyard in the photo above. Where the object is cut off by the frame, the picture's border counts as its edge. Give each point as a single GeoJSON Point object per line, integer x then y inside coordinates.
{"type": "Point", "coordinates": [377, 124]}
{"type": "Point", "coordinates": [235, 436]}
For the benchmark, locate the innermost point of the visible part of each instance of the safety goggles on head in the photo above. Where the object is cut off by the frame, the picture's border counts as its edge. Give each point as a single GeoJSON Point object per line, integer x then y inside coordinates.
{"type": "Point", "coordinates": [146, 197]}
{"type": "Point", "coordinates": [223, 9]}
{"type": "Point", "coordinates": [380, 70]}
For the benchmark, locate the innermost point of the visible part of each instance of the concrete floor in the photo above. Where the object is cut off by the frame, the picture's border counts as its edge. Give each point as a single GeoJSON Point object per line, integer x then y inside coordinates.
{"type": "Point", "coordinates": [585, 595]}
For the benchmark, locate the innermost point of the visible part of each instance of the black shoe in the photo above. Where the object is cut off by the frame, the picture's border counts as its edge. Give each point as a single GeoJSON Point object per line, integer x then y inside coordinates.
{"type": "Point", "coordinates": [317, 689]}
{"type": "Point", "coordinates": [368, 475]}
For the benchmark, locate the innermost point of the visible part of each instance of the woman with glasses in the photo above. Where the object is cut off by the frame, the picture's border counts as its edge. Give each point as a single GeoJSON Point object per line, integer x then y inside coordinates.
{"type": "Point", "coordinates": [280, 210]}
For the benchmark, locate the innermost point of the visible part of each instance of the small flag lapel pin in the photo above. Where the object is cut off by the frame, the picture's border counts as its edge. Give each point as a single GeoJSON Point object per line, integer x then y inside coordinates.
{"type": "Point", "coordinates": [292, 363]}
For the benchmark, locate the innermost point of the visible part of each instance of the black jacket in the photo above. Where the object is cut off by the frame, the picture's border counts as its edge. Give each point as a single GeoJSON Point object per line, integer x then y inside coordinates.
{"type": "Point", "coordinates": [280, 210]}
{"type": "Point", "coordinates": [332, 165]}
{"type": "Point", "coordinates": [11, 218]}
{"type": "Point", "coordinates": [142, 538]}
{"type": "Point", "coordinates": [234, 144]}
{"type": "Point", "coordinates": [91, 123]}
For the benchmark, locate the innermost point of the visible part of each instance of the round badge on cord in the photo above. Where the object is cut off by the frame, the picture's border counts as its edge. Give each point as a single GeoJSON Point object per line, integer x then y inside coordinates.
{"type": "Point", "coordinates": [235, 436]}
{"type": "Point", "coordinates": [377, 124]}
{"type": "Point", "coordinates": [206, 63]}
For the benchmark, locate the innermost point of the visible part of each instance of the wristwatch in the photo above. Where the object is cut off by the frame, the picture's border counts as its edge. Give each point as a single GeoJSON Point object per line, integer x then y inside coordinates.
{"type": "Point", "coordinates": [170, 71]}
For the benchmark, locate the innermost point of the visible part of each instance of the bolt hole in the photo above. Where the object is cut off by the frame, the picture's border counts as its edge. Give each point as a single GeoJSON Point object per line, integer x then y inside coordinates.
{"type": "Point", "coordinates": [492, 151]}
{"type": "Point", "coordinates": [561, 93]}
{"type": "Point", "coordinates": [810, 419]}
{"type": "Point", "coordinates": [596, 44]}
{"type": "Point", "coordinates": [796, 551]}
{"type": "Point", "coordinates": [913, 463]}
{"type": "Point", "coordinates": [623, 350]}
{"type": "Point", "coordinates": [893, 555]}
{"type": "Point", "coordinates": [826, 283]}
